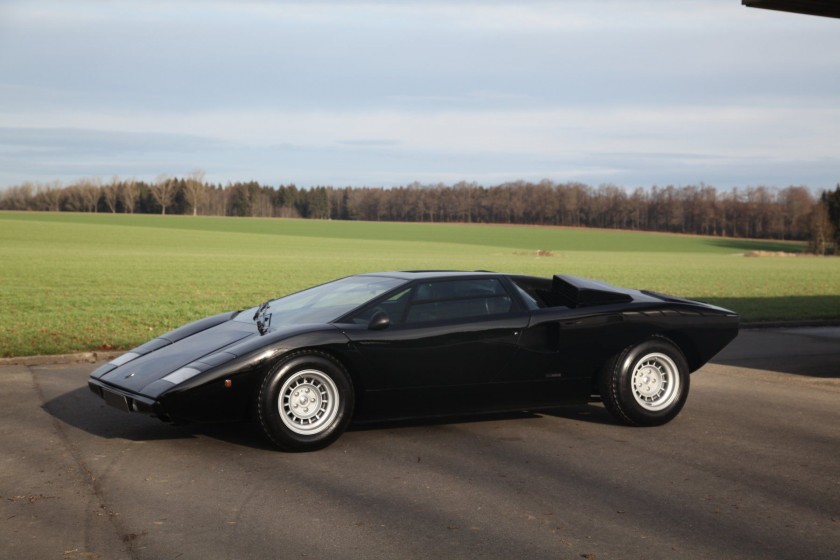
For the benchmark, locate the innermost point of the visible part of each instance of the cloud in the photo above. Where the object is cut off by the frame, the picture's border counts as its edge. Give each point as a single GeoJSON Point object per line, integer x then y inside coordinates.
{"type": "Point", "coordinates": [372, 142]}
{"type": "Point", "coordinates": [681, 143]}
{"type": "Point", "coordinates": [747, 130]}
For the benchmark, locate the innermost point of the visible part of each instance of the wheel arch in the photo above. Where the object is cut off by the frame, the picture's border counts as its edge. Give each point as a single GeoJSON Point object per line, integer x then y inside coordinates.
{"type": "Point", "coordinates": [685, 343]}
{"type": "Point", "coordinates": [342, 357]}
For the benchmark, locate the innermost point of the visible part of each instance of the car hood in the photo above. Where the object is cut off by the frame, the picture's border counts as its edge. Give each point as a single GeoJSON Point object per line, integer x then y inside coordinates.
{"type": "Point", "coordinates": [167, 356]}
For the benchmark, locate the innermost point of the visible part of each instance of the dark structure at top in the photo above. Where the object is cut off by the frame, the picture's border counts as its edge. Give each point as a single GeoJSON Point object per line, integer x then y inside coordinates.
{"type": "Point", "coordinates": [827, 8]}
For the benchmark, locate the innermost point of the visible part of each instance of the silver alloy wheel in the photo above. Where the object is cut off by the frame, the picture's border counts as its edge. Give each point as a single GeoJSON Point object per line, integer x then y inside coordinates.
{"type": "Point", "coordinates": [655, 381]}
{"type": "Point", "coordinates": [308, 402]}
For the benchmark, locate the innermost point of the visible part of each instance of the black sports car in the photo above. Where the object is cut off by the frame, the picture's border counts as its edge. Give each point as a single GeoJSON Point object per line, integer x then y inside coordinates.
{"type": "Point", "coordinates": [406, 344]}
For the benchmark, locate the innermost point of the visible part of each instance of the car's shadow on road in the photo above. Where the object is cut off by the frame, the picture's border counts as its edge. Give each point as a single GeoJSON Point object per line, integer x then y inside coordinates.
{"type": "Point", "coordinates": [586, 413]}
{"type": "Point", "coordinates": [81, 410]}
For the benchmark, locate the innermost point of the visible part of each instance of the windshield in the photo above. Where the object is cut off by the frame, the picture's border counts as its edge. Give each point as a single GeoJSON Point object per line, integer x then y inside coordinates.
{"type": "Point", "coordinates": [324, 303]}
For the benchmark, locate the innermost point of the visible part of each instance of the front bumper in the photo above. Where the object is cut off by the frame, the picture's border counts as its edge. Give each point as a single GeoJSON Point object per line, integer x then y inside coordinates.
{"type": "Point", "coordinates": [126, 401]}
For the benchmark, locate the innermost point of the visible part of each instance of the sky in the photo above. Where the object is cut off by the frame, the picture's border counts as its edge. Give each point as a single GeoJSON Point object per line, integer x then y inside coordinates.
{"type": "Point", "coordinates": [385, 93]}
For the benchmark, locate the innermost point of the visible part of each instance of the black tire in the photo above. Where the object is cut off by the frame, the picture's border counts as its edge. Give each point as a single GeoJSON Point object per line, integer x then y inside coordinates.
{"type": "Point", "coordinates": [305, 401]}
{"type": "Point", "coordinates": [646, 384]}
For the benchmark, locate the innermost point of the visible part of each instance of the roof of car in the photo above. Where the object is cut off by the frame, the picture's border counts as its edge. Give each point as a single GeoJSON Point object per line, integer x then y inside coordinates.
{"type": "Point", "coordinates": [430, 274]}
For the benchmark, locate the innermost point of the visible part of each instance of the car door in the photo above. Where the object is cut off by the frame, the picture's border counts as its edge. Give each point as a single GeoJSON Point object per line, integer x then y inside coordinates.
{"type": "Point", "coordinates": [559, 355]}
{"type": "Point", "coordinates": [448, 342]}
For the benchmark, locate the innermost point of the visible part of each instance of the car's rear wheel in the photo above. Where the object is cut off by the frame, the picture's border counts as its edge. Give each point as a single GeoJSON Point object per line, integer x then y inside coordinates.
{"type": "Point", "coordinates": [646, 384]}
{"type": "Point", "coordinates": [305, 401]}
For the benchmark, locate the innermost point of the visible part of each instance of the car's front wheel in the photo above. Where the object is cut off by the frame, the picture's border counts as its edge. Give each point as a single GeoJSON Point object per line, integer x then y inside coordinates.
{"type": "Point", "coordinates": [305, 401]}
{"type": "Point", "coordinates": [646, 384]}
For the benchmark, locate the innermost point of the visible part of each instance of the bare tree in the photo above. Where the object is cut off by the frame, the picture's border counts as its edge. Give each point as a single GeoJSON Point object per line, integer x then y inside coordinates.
{"type": "Point", "coordinates": [163, 191]}
{"type": "Point", "coordinates": [111, 194]}
{"type": "Point", "coordinates": [72, 199]}
{"type": "Point", "coordinates": [17, 198]}
{"type": "Point", "coordinates": [821, 230]}
{"type": "Point", "coordinates": [216, 201]}
{"type": "Point", "coordinates": [45, 198]}
{"type": "Point", "coordinates": [52, 194]}
{"type": "Point", "coordinates": [194, 189]}
{"type": "Point", "coordinates": [90, 190]}
{"type": "Point", "coordinates": [128, 194]}
{"type": "Point", "coordinates": [797, 202]}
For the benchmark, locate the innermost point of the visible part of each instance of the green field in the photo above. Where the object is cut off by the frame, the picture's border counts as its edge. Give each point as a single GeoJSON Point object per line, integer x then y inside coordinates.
{"type": "Point", "coordinates": [73, 282]}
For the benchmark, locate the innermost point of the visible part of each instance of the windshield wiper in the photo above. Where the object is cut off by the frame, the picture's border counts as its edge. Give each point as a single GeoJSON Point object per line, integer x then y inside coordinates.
{"type": "Point", "coordinates": [262, 320]}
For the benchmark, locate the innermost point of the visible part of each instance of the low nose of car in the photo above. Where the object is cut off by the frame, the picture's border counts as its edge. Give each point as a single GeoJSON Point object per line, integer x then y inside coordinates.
{"type": "Point", "coordinates": [140, 372]}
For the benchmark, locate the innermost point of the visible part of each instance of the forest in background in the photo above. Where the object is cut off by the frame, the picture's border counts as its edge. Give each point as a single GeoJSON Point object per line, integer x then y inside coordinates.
{"type": "Point", "coordinates": [792, 213]}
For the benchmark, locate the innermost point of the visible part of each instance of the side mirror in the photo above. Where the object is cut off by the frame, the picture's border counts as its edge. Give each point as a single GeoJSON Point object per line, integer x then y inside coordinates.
{"type": "Point", "coordinates": [379, 321]}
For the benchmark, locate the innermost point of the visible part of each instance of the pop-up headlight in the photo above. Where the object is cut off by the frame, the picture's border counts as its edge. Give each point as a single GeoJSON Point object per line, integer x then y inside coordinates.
{"type": "Point", "coordinates": [191, 370]}
{"type": "Point", "coordinates": [124, 359]}
{"type": "Point", "coordinates": [181, 375]}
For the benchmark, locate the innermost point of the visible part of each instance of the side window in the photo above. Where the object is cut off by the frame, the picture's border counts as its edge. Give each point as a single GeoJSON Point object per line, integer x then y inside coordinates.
{"type": "Point", "coordinates": [458, 299]}
{"type": "Point", "coordinates": [394, 306]}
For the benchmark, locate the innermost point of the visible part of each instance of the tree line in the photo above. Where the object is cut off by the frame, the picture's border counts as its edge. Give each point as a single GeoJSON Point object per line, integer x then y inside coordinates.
{"type": "Point", "coordinates": [792, 213]}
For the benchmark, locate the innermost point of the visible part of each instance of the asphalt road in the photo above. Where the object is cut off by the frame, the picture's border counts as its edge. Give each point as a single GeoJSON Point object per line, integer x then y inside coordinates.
{"type": "Point", "coordinates": [750, 469]}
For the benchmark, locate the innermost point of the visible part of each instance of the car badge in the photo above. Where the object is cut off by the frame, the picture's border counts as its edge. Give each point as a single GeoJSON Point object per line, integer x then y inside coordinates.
{"type": "Point", "coordinates": [130, 375]}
